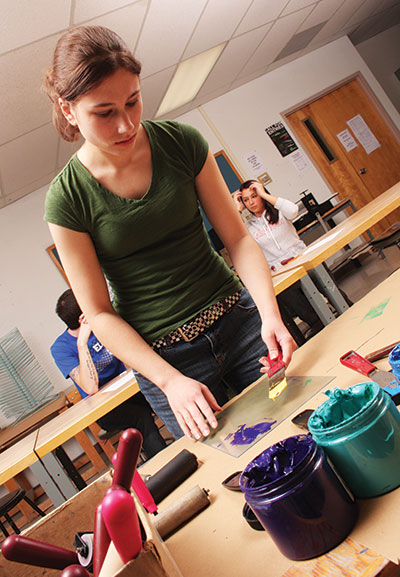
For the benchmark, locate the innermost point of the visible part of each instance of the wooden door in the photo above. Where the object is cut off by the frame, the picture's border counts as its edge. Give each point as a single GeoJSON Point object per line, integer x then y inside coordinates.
{"type": "Point", "coordinates": [352, 145]}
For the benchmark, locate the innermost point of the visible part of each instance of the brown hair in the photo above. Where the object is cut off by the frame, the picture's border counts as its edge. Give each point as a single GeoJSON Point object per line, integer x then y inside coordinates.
{"type": "Point", "coordinates": [83, 58]}
{"type": "Point", "coordinates": [272, 213]}
{"type": "Point", "coordinates": [68, 310]}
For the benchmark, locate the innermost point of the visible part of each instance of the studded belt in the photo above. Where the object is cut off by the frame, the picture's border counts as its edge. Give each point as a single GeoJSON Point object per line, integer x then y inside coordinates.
{"type": "Point", "coordinates": [193, 328]}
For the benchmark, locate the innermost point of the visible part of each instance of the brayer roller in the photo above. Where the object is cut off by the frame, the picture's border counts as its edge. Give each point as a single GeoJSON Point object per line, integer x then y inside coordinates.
{"type": "Point", "coordinates": [181, 511]}
{"type": "Point", "coordinates": [171, 475]}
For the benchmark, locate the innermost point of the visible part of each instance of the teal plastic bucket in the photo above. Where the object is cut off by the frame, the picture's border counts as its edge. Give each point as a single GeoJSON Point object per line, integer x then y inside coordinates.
{"type": "Point", "coordinates": [359, 429]}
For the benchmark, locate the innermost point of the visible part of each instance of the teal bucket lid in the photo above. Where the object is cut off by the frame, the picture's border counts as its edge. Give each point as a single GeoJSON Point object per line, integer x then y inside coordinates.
{"type": "Point", "coordinates": [343, 408]}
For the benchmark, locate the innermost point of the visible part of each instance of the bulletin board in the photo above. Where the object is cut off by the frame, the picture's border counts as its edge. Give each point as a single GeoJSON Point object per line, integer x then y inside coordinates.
{"type": "Point", "coordinates": [228, 171]}
{"type": "Point", "coordinates": [53, 254]}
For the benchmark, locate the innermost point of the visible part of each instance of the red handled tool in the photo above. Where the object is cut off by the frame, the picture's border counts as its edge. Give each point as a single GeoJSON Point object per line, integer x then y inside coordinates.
{"type": "Point", "coordinates": [120, 517]}
{"type": "Point", "coordinates": [129, 446]}
{"type": "Point", "coordinates": [33, 552]}
{"type": "Point", "coordinates": [276, 376]}
{"type": "Point", "coordinates": [101, 541]}
{"type": "Point", "coordinates": [386, 380]}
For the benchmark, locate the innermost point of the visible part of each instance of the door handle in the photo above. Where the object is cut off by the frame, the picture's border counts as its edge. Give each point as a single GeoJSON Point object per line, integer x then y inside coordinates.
{"type": "Point", "coordinates": [363, 170]}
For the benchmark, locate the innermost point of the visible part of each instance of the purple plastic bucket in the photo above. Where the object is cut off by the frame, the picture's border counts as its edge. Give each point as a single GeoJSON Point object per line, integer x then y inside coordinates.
{"type": "Point", "coordinates": [298, 498]}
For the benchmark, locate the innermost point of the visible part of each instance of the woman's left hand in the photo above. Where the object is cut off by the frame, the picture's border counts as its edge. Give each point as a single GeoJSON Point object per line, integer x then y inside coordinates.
{"type": "Point", "coordinates": [277, 338]}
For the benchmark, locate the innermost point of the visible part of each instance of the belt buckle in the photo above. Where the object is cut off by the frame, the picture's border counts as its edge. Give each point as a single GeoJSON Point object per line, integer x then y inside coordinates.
{"type": "Point", "coordinates": [185, 337]}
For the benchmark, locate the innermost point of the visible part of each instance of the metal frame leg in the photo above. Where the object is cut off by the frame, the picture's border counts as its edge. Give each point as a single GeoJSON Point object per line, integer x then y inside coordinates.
{"type": "Point", "coordinates": [316, 300]}
{"type": "Point", "coordinates": [328, 287]}
{"type": "Point", "coordinates": [51, 488]}
{"type": "Point", "coordinates": [49, 473]}
{"type": "Point", "coordinates": [59, 476]}
{"type": "Point", "coordinates": [70, 468]}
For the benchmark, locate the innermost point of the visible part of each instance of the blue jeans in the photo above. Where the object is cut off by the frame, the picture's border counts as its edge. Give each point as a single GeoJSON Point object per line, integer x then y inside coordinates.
{"type": "Point", "coordinates": [224, 356]}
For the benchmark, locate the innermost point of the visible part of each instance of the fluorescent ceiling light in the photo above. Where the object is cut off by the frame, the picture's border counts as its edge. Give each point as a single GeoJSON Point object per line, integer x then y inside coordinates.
{"type": "Point", "coordinates": [188, 79]}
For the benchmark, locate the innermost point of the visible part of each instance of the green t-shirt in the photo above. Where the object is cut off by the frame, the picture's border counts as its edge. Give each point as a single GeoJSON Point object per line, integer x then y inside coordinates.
{"type": "Point", "coordinates": [155, 251]}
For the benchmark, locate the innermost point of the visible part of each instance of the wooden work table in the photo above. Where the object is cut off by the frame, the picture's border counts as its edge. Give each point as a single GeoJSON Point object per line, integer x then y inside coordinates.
{"type": "Point", "coordinates": [219, 542]}
{"type": "Point", "coordinates": [346, 231]}
{"type": "Point", "coordinates": [18, 457]}
{"type": "Point", "coordinates": [87, 411]}
{"type": "Point", "coordinates": [327, 216]}
{"type": "Point", "coordinates": [314, 256]}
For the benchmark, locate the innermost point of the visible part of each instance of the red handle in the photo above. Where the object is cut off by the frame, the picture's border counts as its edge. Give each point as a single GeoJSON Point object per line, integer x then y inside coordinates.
{"type": "Point", "coordinates": [275, 365]}
{"type": "Point", "coordinates": [101, 541]}
{"type": "Point", "coordinates": [120, 517]}
{"type": "Point", "coordinates": [354, 361]}
{"type": "Point", "coordinates": [128, 453]}
{"type": "Point", "coordinates": [33, 552]}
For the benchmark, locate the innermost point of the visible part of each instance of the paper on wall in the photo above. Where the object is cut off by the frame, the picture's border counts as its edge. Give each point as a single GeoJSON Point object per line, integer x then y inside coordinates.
{"type": "Point", "coordinates": [299, 160]}
{"type": "Point", "coordinates": [347, 140]}
{"type": "Point", "coordinates": [363, 133]}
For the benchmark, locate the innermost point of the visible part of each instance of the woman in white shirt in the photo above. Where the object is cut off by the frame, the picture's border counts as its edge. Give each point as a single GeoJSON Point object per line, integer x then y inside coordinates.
{"type": "Point", "coordinates": [269, 222]}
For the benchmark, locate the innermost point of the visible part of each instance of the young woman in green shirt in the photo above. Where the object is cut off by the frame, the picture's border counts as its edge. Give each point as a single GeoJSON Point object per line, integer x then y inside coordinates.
{"type": "Point", "coordinates": [126, 207]}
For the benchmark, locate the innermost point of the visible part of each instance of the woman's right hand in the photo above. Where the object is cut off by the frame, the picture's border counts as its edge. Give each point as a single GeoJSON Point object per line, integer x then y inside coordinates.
{"type": "Point", "coordinates": [237, 198]}
{"type": "Point", "coordinates": [193, 404]}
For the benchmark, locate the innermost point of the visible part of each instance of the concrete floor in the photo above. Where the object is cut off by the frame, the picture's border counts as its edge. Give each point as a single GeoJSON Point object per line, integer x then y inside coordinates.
{"type": "Point", "coordinates": [357, 282]}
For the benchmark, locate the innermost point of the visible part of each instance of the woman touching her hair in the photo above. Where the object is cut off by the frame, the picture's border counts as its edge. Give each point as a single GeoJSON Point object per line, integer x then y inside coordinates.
{"type": "Point", "coordinates": [126, 208]}
{"type": "Point", "coordinates": [270, 225]}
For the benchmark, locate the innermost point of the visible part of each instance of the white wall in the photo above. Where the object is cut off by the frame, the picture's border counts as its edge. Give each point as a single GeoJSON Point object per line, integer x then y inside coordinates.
{"type": "Point", "coordinates": [382, 55]}
{"type": "Point", "coordinates": [239, 118]}
{"type": "Point", "coordinates": [30, 283]}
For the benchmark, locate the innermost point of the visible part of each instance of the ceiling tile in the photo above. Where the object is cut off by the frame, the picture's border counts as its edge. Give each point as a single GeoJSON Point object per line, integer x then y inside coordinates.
{"type": "Point", "coordinates": [88, 9]}
{"type": "Point", "coordinates": [153, 89]}
{"type": "Point", "coordinates": [36, 151]}
{"type": "Point", "coordinates": [299, 41]}
{"type": "Point", "coordinates": [375, 25]}
{"type": "Point", "coordinates": [385, 4]}
{"type": "Point", "coordinates": [339, 19]}
{"type": "Point", "coordinates": [364, 11]}
{"type": "Point", "coordinates": [176, 20]}
{"type": "Point", "coordinates": [295, 5]}
{"type": "Point", "coordinates": [25, 190]}
{"type": "Point", "coordinates": [276, 39]}
{"type": "Point", "coordinates": [25, 21]}
{"type": "Point", "coordinates": [202, 98]}
{"type": "Point", "coordinates": [22, 73]}
{"type": "Point", "coordinates": [245, 78]}
{"type": "Point", "coordinates": [206, 34]}
{"type": "Point", "coordinates": [259, 13]}
{"type": "Point", "coordinates": [234, 57]}
{"type": "Point", "coordinates": [321, 13]}
{"type": "Point", "coordinates": [126, 22]}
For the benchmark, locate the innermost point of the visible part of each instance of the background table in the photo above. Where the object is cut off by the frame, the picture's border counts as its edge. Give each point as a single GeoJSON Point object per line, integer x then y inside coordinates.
{"type": "Point", "coordinates": [327, 245]}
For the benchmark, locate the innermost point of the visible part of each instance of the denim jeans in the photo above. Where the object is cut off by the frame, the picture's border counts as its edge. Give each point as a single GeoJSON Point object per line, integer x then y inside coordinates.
{"type": "Point", "coordinates": [224, 356]}
{"type": "Point", "coordinates": [135, 412]}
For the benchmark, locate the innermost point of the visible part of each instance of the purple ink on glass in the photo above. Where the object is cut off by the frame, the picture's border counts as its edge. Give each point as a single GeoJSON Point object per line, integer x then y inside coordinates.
{"type": "Point", "coordinates": [298, 498]}
{"type": "Point", "coordinates": [247, 435]}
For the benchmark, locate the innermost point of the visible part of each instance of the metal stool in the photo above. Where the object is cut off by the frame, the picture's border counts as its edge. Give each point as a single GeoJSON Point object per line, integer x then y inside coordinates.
{"type": "Point", "coordinates": [10, 501]}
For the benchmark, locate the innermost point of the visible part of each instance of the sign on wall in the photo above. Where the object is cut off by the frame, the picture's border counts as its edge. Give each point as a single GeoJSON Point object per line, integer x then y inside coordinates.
{"type": "Point", "coordinates": [281, 138]}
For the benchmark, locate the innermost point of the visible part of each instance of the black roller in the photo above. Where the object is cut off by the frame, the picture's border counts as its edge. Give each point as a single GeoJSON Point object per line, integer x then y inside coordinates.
{"type": "Point", "coordinates": [172, 475]}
